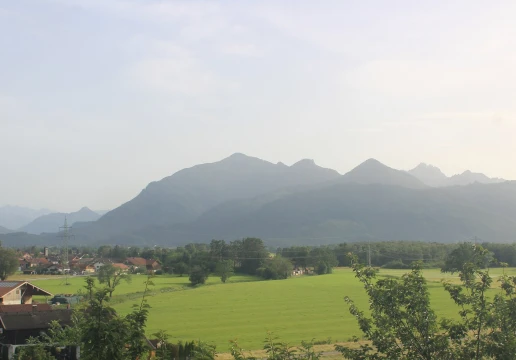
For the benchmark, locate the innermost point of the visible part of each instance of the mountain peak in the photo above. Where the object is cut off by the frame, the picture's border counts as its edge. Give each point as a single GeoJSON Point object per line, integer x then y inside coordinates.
{"type": "Point", "coordinates": [370, 164]}
{"type": "Point", "coordinates": [304, 163]}
{"type": "Point", "coordinates": [429, 174]}
{"type": "Point", "coordinates": [373, 171]}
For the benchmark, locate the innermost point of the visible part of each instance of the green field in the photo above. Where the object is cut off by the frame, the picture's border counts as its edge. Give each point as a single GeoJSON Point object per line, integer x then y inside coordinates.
{"type": "Point", "coordinates": [296, 309]}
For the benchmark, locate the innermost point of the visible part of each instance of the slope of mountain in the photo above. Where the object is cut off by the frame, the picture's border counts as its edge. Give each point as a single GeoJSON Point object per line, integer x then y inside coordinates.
{"type": "Point", "coordinates": [50, 223]}
{"type": "Point", "coordinates": [14, 217]}
{"type": "Point", "coordinates": [300, 204]}
{"type": "Point", "coordinates": [354, 212]}
{"type": "Point", "coordinates": [188, 193]}
{"type": "Point", "coordinates": [429, 174]}
{"type": "Point", "coordinates": [433, 176]}
{"type": "Point", "coordinates": [4, 230]}
{"type": "Point", "coordinates": [374, 172]}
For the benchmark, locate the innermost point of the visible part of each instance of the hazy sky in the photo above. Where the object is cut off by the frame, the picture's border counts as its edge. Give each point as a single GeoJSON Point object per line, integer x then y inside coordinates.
{"type": "Point", "coordinates": [100, 97]}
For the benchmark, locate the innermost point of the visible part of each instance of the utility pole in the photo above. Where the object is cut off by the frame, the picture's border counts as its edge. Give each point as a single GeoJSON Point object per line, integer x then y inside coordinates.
{"type": "Point", "coordinates": [65, 235]}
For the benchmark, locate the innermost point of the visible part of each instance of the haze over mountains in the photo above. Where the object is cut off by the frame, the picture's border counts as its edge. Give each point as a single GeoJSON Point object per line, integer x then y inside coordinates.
{"type": "Point", "coordinates": [433, 176]}
{"type": "Point", "coordinates": [4, 230]}
{"type": "Point", "coordinates": [304, 204]}
{"type": "Point", "coordinates": [14, 217]}
{"type": "Point", "coordinates": [50, 223]}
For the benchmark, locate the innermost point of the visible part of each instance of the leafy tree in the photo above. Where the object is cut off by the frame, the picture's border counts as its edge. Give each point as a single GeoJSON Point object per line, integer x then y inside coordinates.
{"type": "Point", "coordinates": [136, 320]}
{"type": "Point", "coordinates": [252, 255]}
{"type": "Point", "coordinates": [403, 325]}
{"type": "Point", "coordinates": [323, 259]}
{"type": "Point", "coordinates": [198, 275]}
{"type": "Point", "coordinates": [104, 251]}
{"type": "Point", "coordinates": [181, 268]}
{"type": "Point", "coordinates": [112, 277]}
{"type": "Point", "coordinates": [463, 254]}
{"type": "Point", "coordinates": [224, 269]}
{"type": "Point", "coordinates": [100, 332]}
{"type": "Point", "coordinates": [203, 351]}
{"type": "Point", "coordinates": [162, 352]}
{"type": "Point", "coordinates": [8, 263]}
{"type": "Point", "coordinates": [90, 286]}
{"type": "Point", "coordinates": [276, 268]}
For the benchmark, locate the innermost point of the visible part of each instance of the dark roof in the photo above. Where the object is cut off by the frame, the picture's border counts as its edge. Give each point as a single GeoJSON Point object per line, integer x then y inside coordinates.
{"type": "Point", "coordinates": [24, 308]}
{"type": "Point", "coordinates": [8, 286]}
{"type": "Point", "coordinates": [35, 320]}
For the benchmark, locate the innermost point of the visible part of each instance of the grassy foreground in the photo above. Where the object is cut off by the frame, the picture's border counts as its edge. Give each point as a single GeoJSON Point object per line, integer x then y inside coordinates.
{"type": "Point", "coordinates": [296, 309]}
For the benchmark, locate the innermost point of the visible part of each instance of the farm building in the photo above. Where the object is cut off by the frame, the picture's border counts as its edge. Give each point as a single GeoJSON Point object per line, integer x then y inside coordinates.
{"type": "Point", "coordinates": [19, 292]}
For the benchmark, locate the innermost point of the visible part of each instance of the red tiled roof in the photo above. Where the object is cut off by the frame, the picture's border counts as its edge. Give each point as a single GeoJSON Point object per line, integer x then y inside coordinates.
{"type": "Point", "coordinates": [121, 266]}
{"type": "Point", "coordinates": [137, 261]}
{"type": "Point", "coordinates": [42, 261]}
{"type": "Point", "coordinates": [25, 308]}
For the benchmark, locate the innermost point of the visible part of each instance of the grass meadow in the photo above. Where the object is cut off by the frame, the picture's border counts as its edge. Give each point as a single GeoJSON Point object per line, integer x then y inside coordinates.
{"type": "Point", "coordinates": [296, 309]}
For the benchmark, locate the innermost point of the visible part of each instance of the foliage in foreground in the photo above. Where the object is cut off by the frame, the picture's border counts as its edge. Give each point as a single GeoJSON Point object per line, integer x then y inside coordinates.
{"type": "Point", "coordinates": [98, 330]}
{"type": "Point", "coordinates": [403, 325]}
{"type": "Point", "coordinates": [277, 350]}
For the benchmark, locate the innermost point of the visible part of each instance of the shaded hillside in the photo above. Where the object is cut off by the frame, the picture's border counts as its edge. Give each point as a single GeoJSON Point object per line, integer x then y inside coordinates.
{"type": "Point", "coordinates": [353, 212]}
{"type": "Point", "coordinates": [50, 223]}
{"type": "Point", "coordinates": [188, 193]}
{"type": "Point", "coordinates": [14, 217]}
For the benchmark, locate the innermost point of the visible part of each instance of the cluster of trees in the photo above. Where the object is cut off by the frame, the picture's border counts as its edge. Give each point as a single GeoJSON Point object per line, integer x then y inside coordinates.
{"type": "Point", "coordinates": [247, 256]}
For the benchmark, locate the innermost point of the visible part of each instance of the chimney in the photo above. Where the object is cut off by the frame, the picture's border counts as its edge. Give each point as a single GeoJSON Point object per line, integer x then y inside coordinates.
{"type": "Point", "coordinates": [34, 308]}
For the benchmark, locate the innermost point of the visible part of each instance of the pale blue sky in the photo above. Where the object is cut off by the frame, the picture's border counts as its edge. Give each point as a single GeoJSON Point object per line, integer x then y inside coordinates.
{"type": "Point", "coordinates": [100, 97]}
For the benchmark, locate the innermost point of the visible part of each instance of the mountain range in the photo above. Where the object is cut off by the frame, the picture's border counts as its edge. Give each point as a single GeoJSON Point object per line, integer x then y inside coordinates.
{"type": "Point", "coordinates": [433, 176]}
{"type": "Point", "coordinates": [50, 223]}
{"type": "Point", "coordinates": [303, 204]}
{"type": "Point", "coordinates": [14, 217]}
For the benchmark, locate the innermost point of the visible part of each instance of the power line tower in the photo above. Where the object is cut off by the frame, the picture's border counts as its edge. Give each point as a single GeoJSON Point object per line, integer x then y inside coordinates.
{"type": "Point", "coordinates": [64, 233]}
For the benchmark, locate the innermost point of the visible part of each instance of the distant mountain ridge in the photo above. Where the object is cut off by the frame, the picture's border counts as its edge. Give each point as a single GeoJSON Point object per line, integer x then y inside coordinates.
{"type": "Point", "coordinates": [4, 230]}
{"type": "Point", "coordinates": [433, 176]}
{"type": "Point", "coordinates": [50, 223]}
{"type": "Point", "coordinates": [14, 217]}
{"type": "Point", "coordinates": [185, 195]}
{"type": "Point", "coordinates": [301, 204]}
{"type": "Point", "coordinates": [372, 171]}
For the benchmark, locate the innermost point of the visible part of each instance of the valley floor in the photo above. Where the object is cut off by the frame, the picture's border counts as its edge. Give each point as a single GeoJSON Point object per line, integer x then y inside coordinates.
{"type": "Point", "coordinates": [245, 309]}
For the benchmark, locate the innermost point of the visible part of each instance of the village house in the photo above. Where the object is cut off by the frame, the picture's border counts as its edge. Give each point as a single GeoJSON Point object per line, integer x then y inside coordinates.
{"type": "Point", "coordinates": [19, 292]}
{"type": "Point", "coordinates": [21, 318]}
{"type": "Point", "coordinates": [122, 267]}
{"type": "Point", "coordinates": [100, 263]}
{"type": "Point", "coordinates": [150, 265]}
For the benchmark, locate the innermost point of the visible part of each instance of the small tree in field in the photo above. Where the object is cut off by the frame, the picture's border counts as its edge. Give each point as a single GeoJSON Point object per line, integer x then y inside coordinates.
{"type": "Point", "coordinates": [224, 269]}
{"type": "Point", "coordinates": [198, 275]}
{"type": "Point", "coordinates": [112, 277]}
